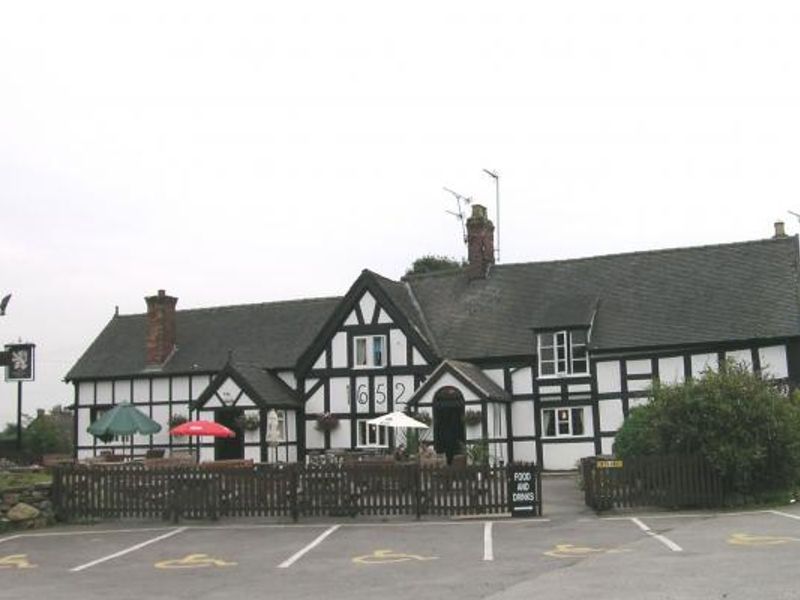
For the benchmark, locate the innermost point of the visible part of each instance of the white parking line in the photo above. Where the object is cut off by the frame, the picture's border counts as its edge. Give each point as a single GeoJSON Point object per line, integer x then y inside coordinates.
{"type": "Point", "coordinates": [663, 539]}
{"type": "Point", "coordinates": [297, 555]}
{"type": "Point", "coordinates": [785, 514]}
{"type": "Point", "coordinates": [488, 549]}
{"type": "Point", "coordinates": [11, 537]}
{"type": "Point", "coordinates": [127, 550]}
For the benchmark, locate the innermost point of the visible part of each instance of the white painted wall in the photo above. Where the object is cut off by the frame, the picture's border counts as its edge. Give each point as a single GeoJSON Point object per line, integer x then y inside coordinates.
{"type": "Point", "coordinates": [495, 375]}
{"type": "Point", "coordinates": [122, 390]}
{"type": "Point", "coordinates": [638, 367]}
{"type": "Point", "coordinates": [340, 437]}
{"type": "Point", "coordinates": [228, 391]}
{"type": "Point", "coordinates": [607, 445]}
{"type": "Point", "coordinates": [402, 384]}
{"type": "Point", "coordinates": [397, 343]}
{"type": "Point", "coordinates": [639, 385]}
{"type": "Point", "coordinates": [288, 377]}
{"type": "Point", "coordinates": [417, 358]}
{"type": "Point", "coordinates": [383, 318]}
{"type": "Point", "coordinates": [565, 456]}
{"type": "Point", "coordinates": [316, 403]}
{"type": "Point", "coordinates": [199, 384]}
{"type": "Point", "coordinates": [524, 451]}
{"type": "Point", "coordinates": [381, 394]}
{"type": "Point", "coordinates": [315, 439]}
{"type": "Point", "coordinates": [321, 360]}
{"type": "Point", "coordinates": [744, 357]}
{"type": "Point", "coordinates": [701, 362]}
{"type": "Point", "coordinates": [608, 377]}
{"type": "Point", "coordinates": [339, 348]}
{"type": "Point", "coordinates": [103, 392]}
{"type": "Point", "coordinates": [367, 305]}
{"type": "Point", "coordinates": [670, 370]}
{"type": "Point", "coordinates": [180, 389]}
{"type": "Point", "coordinates": [774, 362]}
{"type": "Point", "coordinates": [611, 416]}
{"type": "Point", "coordinates": [522, 418]}
{"type": "Point", "coordinates": [522, 381]}
{"type": "Point", "coordinates": [340, 395]}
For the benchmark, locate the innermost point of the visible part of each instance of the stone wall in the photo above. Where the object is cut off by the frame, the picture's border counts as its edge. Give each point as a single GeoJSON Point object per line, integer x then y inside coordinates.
{"type": "Point", "coordinates": [28, 507]}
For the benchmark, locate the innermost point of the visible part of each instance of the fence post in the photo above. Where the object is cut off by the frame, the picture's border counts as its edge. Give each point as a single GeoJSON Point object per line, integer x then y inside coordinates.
{"type": "Point", "coordinates": [294, 481]}
{"type": "Point", "coordinates": [418, 490]}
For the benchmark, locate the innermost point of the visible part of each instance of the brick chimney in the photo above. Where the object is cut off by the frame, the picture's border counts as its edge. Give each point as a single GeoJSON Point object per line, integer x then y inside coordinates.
{"type": "Point", "coordinates": [780, 230]}
{"type": "Point", "coordinates": [160, 328]}
{"type": "Point", "coordinates": [480, 243]}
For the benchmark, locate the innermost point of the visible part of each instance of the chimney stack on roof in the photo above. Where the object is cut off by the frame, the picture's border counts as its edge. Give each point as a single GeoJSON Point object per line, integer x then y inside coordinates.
{"type": "Point", "coordinates": [160, 328]}
{"type": "Point", "coordinates": [780, 230]}
{"type": "Point", "coordinates": [480, 243]}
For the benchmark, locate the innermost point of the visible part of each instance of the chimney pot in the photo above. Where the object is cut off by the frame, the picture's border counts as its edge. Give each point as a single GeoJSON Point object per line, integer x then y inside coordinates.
{"type": "Point", "coordinates": [161, 332]}
{"type": "Point", "coordinates": [780, 230]}
{"type": "Point", "coordinates": [480, 243]}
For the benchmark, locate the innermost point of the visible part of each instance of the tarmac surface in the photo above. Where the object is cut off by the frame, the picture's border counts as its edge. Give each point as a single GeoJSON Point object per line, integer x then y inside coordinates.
{"type": "Point", "coordinates": [570, 553]}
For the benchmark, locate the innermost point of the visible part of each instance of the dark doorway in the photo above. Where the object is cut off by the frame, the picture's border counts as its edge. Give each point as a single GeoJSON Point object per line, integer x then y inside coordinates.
{"type": "Point", "coordinates": [449, 434]}
{"type": "Point", "coordinates": [229, 448]}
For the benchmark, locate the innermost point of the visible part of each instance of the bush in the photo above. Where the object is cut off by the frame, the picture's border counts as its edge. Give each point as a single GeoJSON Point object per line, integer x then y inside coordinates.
{"type": "Point", "coordinates": [744, 425]}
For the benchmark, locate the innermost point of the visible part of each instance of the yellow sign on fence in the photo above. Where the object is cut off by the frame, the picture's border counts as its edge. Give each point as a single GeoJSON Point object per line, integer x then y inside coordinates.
{"type": "Point", "coordinates": [609, 464]}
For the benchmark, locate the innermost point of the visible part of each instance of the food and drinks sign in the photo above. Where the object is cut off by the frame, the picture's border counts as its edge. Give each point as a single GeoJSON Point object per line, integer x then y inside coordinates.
{"type": "Point", "coordinates": [19, 362]}
{"type": "Point", "coordinates": [523, 492]}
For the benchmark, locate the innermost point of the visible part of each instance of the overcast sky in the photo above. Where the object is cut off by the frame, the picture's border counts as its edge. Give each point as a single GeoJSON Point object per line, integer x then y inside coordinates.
{"type": "Point", "coordinates": [236, 152]}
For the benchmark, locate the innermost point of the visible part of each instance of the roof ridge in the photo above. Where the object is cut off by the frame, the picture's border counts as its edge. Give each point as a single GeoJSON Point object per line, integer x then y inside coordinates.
{"type": "Point", "coordinates": [243, 305]}
{"type": "Point", "coordinates": [671, 250]}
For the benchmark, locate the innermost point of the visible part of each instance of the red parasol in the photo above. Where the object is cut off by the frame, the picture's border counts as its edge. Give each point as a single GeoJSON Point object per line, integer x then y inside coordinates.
{"type": "Point", "coordinates": [202, 428]}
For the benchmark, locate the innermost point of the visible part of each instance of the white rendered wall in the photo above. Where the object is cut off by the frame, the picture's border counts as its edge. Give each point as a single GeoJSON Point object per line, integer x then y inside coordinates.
{"type": "Point", "coordinates": [522, 418]}
{"type": "Point", "coordinates": [522, 381]}
{"type": "Point", "coordinates": [339, 348]}
{"type": "Point", "coordinates": [561, 457]}
{"type": "Point", "coordinates": [397, 343]}
{"type": "Point", "coordinates": [611, 416]}
{"type": "Point", "coordinates": [773, 361]}
{"type": "Point", "coordinates": [670, 370]}
{"type": "Point", "coordinates": [608, 377]}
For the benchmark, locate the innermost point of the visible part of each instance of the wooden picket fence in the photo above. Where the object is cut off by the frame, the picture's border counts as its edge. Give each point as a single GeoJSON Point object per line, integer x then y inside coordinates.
{"type": "Point", "coordinates": [663, 481]}
{"type": "Point", "coordinates": [133, 491]}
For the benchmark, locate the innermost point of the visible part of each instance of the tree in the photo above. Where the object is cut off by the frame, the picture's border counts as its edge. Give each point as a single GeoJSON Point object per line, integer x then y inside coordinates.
{"type": "Point", "coordinates": [744, 425]}
{"type": "Point", "coordinates": [431, 263]}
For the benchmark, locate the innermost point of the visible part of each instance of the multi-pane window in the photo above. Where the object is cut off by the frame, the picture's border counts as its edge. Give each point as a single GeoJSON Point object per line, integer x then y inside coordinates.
{"type": "Point", "coordinates": [371, 436]}
{"type": "Point", "coordinates": [562, 353]}
{"type": "Point", "coordinates": [370, 351]}
{"type": "Point", "coordinates": [562, 422]}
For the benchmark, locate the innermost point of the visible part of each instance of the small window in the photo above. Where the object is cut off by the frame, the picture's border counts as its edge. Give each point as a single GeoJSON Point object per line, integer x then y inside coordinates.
{"type": "Point", "coordinates": [370, 351]}
{"type": "Point", "coordinates": [371, 436]}
{"type": "Point", "coordinates": [562, 353]}
{"type": "Point", "coordinates": [562, 422]}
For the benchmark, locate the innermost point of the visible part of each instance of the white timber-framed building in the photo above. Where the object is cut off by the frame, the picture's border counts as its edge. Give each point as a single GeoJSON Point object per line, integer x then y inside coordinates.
{"type": "Point", "coordinates": [550, 356]}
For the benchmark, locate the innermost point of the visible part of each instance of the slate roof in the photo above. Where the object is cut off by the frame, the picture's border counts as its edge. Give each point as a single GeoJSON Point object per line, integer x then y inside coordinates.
{"type": "Point", "coordinates": [661, 298]}
{"type": "Point", "coordinates": [272, 335]}
{"type": "Point", "coordinates": [264, 389]}
{"type": "Point", "coordinates": [674, 297]}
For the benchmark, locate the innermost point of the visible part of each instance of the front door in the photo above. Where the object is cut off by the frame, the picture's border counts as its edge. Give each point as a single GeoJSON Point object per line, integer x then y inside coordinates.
{"type": "Point", "coordinates": [449, 433]}
{"type": "Point", "coordinates": [229, 448]}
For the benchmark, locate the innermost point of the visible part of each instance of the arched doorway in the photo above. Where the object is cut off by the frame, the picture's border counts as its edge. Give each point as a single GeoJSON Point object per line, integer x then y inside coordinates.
{"type": "Point", "coordinates": [449, 434]}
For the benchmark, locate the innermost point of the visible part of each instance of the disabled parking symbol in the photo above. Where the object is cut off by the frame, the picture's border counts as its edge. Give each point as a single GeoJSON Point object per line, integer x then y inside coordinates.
{"type": "Point", "coordinates": [572, 551]}
{"type": "Point", "coordinates": [383, 557]}
{"type": "Point", "coordinates": [16, 561]}
{"type": "Point", "coordinates": [744, 539]}
{"type": "Point", "coordinates": [193, 561]}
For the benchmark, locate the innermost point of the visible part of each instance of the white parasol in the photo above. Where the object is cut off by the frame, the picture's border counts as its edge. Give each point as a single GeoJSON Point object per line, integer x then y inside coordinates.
{"type": "Point", "coordinates": [397, 420]}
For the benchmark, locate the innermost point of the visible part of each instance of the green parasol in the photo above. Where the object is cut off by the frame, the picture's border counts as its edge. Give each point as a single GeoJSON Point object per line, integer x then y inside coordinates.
{"type": "Point", "coordinates": [123, 419]}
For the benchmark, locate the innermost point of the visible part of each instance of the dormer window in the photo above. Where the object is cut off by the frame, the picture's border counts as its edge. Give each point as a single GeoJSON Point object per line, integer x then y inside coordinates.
{"type": "Point", "coordinates": [562, 353]}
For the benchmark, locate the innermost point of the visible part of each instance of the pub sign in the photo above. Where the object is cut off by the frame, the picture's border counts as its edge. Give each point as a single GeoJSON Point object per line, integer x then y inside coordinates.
{"type": "Point", "coordinates": [20, 362]}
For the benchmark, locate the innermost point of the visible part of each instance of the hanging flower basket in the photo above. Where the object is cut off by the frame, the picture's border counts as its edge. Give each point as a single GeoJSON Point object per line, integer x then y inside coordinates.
{"type": "Point", "coordinates": [327, 422]}
{"type": "Point", "coordinates": [249, 422]}
{"type": "Point", "coordinates": [472, 418]}
{"type": "Point", "coordinates": [177, 419]}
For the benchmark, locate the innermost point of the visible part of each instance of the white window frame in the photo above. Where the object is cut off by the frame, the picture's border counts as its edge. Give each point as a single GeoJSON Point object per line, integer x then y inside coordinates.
{"type": "Point", "coordinates": [363, 429]}
{"type": "Point", "coordinates": [369, 346]}
{"type": "Point", "coordinates": [568, 345]}
{"type": "Point", "coordinates": [569, 410]}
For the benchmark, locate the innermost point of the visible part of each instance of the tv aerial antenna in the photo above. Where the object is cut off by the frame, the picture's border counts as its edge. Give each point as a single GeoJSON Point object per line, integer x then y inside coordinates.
{"type": "Point", "coordinates": [791, 212]}
{"type": "Point", "coordinates": [461, 201]}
